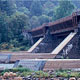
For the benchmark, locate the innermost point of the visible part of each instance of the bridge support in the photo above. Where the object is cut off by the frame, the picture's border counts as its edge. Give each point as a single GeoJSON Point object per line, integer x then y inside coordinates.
{"type": "Point", "coordinates": [72, 49]}
{"type": "Point", "coordinates": [48, 43]}
{"type": "Point", "coordinates": [45, 46]}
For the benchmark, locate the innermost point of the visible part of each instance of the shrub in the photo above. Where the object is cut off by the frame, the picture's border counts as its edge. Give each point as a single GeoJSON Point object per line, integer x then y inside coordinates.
{"type": "Point", "coordinates": [25, 74]}
{"type": "Point", "coordinates": [22, 48]}
{"type": "Point", "coordinates": [46, 75]}
{"type": "Point", "coordinates": [6, 70]}
{"type": "Point", "coordinates": [14, 70]}
{"type": "Point", "coordinates": [15, 49]}
{"type": "Point", "coordinates": [26, 48]}
{"type": "Point", "coordinates": [64, 74]}
{"type": "Point", "coordinates": [74, 74]}
{"type": "Point", "coordinates": [20, 66]}
{"type": "Point", "coordinates": [41, 74]}
{"type": "Point", "coordinates": [20, 69]}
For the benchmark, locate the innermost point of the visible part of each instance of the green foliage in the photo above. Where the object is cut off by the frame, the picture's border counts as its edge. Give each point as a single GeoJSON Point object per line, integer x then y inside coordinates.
{"type": "Point", "coordinates": [48, 8]}
{"type": "Point", "coordinates": [63, 74]}
{"type": "Point", "coordinates": [15, 43]}
{"type": "Point", "coordinates": [6, 70]}
{"type": "Point", "coordinates": [25, 74]}
{"type": "Point", "coordinates": [15, 49]}
{"type": "Point", "coordinates": [24, 10]}
{"type": "Point", "coordinates": [11, 30]}
{"type": "Point", "coordinates": [65, 8]}
{"type": "Point", "coordinates": [4, 27]}
{"type": "Point", "coordinates": [41, 74]}
{"type": "Point", "coordinates": [36, 8]}
{"type": "Point", "coordinates": [44, 19]}
{"type": "Point", "coordinates": [34, 21]}
{"type": "Point", "coordinates": [20, 69]}
{"type": "Point", "coordinates": [7, 5]}
{"type": "Point", "coordinates": [24, 48]}
{"type": "Point", "coordinates": [75, 74]}
{"type": "Point", "coordinates": [5, 46]}
{"type": "Point", "coordinates": [18, 15]}
{"type": "Point", "coordinates": [20, 66]}
{"type": "Point", "coordinates": [18, 21]}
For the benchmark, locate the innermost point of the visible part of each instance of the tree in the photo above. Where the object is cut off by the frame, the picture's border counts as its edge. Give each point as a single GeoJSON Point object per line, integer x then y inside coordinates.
{"type": "Point", "coordinates": [34, 22]}
{"type": "Point", "coordinates": [36, 8]}
{"type": "Point", "coordinates": [19, 3]}
{"type": "Point", "coordinates": [4, 28]}
{"type": "Point", "coordinates": [18, 22]}
{"type": "Point", "coordinates": [24, 10]}
{"type": "Point", "coordinates": [65, 8]}
{"type": "Point", "coordinates": [44, 19]}
{"type": "Point", "coordinates": [77, 3]}
{"type": "Point", "coordinates": [48, 8]}
{"type": "Point", "coordinates": [7, 6]}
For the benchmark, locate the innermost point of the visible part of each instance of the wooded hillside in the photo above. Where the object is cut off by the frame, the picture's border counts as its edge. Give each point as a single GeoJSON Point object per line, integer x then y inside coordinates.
{"type": "Point", "coordinates": [16, 15]}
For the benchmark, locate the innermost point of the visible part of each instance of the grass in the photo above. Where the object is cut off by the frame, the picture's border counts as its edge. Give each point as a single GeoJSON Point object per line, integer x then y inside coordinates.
{"type": "Point", "coordinates": [24, 72]}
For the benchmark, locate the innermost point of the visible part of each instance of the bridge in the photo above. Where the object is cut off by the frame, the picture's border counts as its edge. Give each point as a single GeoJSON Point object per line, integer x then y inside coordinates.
{"type": "Point", "coordinates": [57, 43]}
{"type": "Point", "coordinates": [59, 27]}
{"type": "Point", "coordinates": [60, 37]}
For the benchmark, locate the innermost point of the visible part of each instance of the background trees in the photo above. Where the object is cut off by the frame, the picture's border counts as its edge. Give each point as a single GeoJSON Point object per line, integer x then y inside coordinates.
{"type": "Point", "coordinates": [44, 19]}
{"type": "Point", "coordinates": [64, 8]}
{"type": "Point", "coordinates": [36, 8]}
{"type": "Point", "coordinates": [48, 8]}
{"type": "Point", "coordinates": [18, 15]}
{"type": "Point", "coordinates": [18, 22]}
{"type": "Point", "coordinates": [34, 22]}
{"type": "Point", "coordinates": [7, 6]}
{"type": "Point", "coordinates": [4, 28]}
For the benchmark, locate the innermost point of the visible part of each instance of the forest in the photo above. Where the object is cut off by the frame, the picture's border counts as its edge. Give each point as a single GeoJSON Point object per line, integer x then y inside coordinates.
{"type": "Point", "coordinates": [16, 15]}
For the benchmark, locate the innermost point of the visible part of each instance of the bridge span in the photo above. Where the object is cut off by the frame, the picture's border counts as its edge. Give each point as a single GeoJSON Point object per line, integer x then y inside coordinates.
{"type": "Point", "coordinates": [56, 37]}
